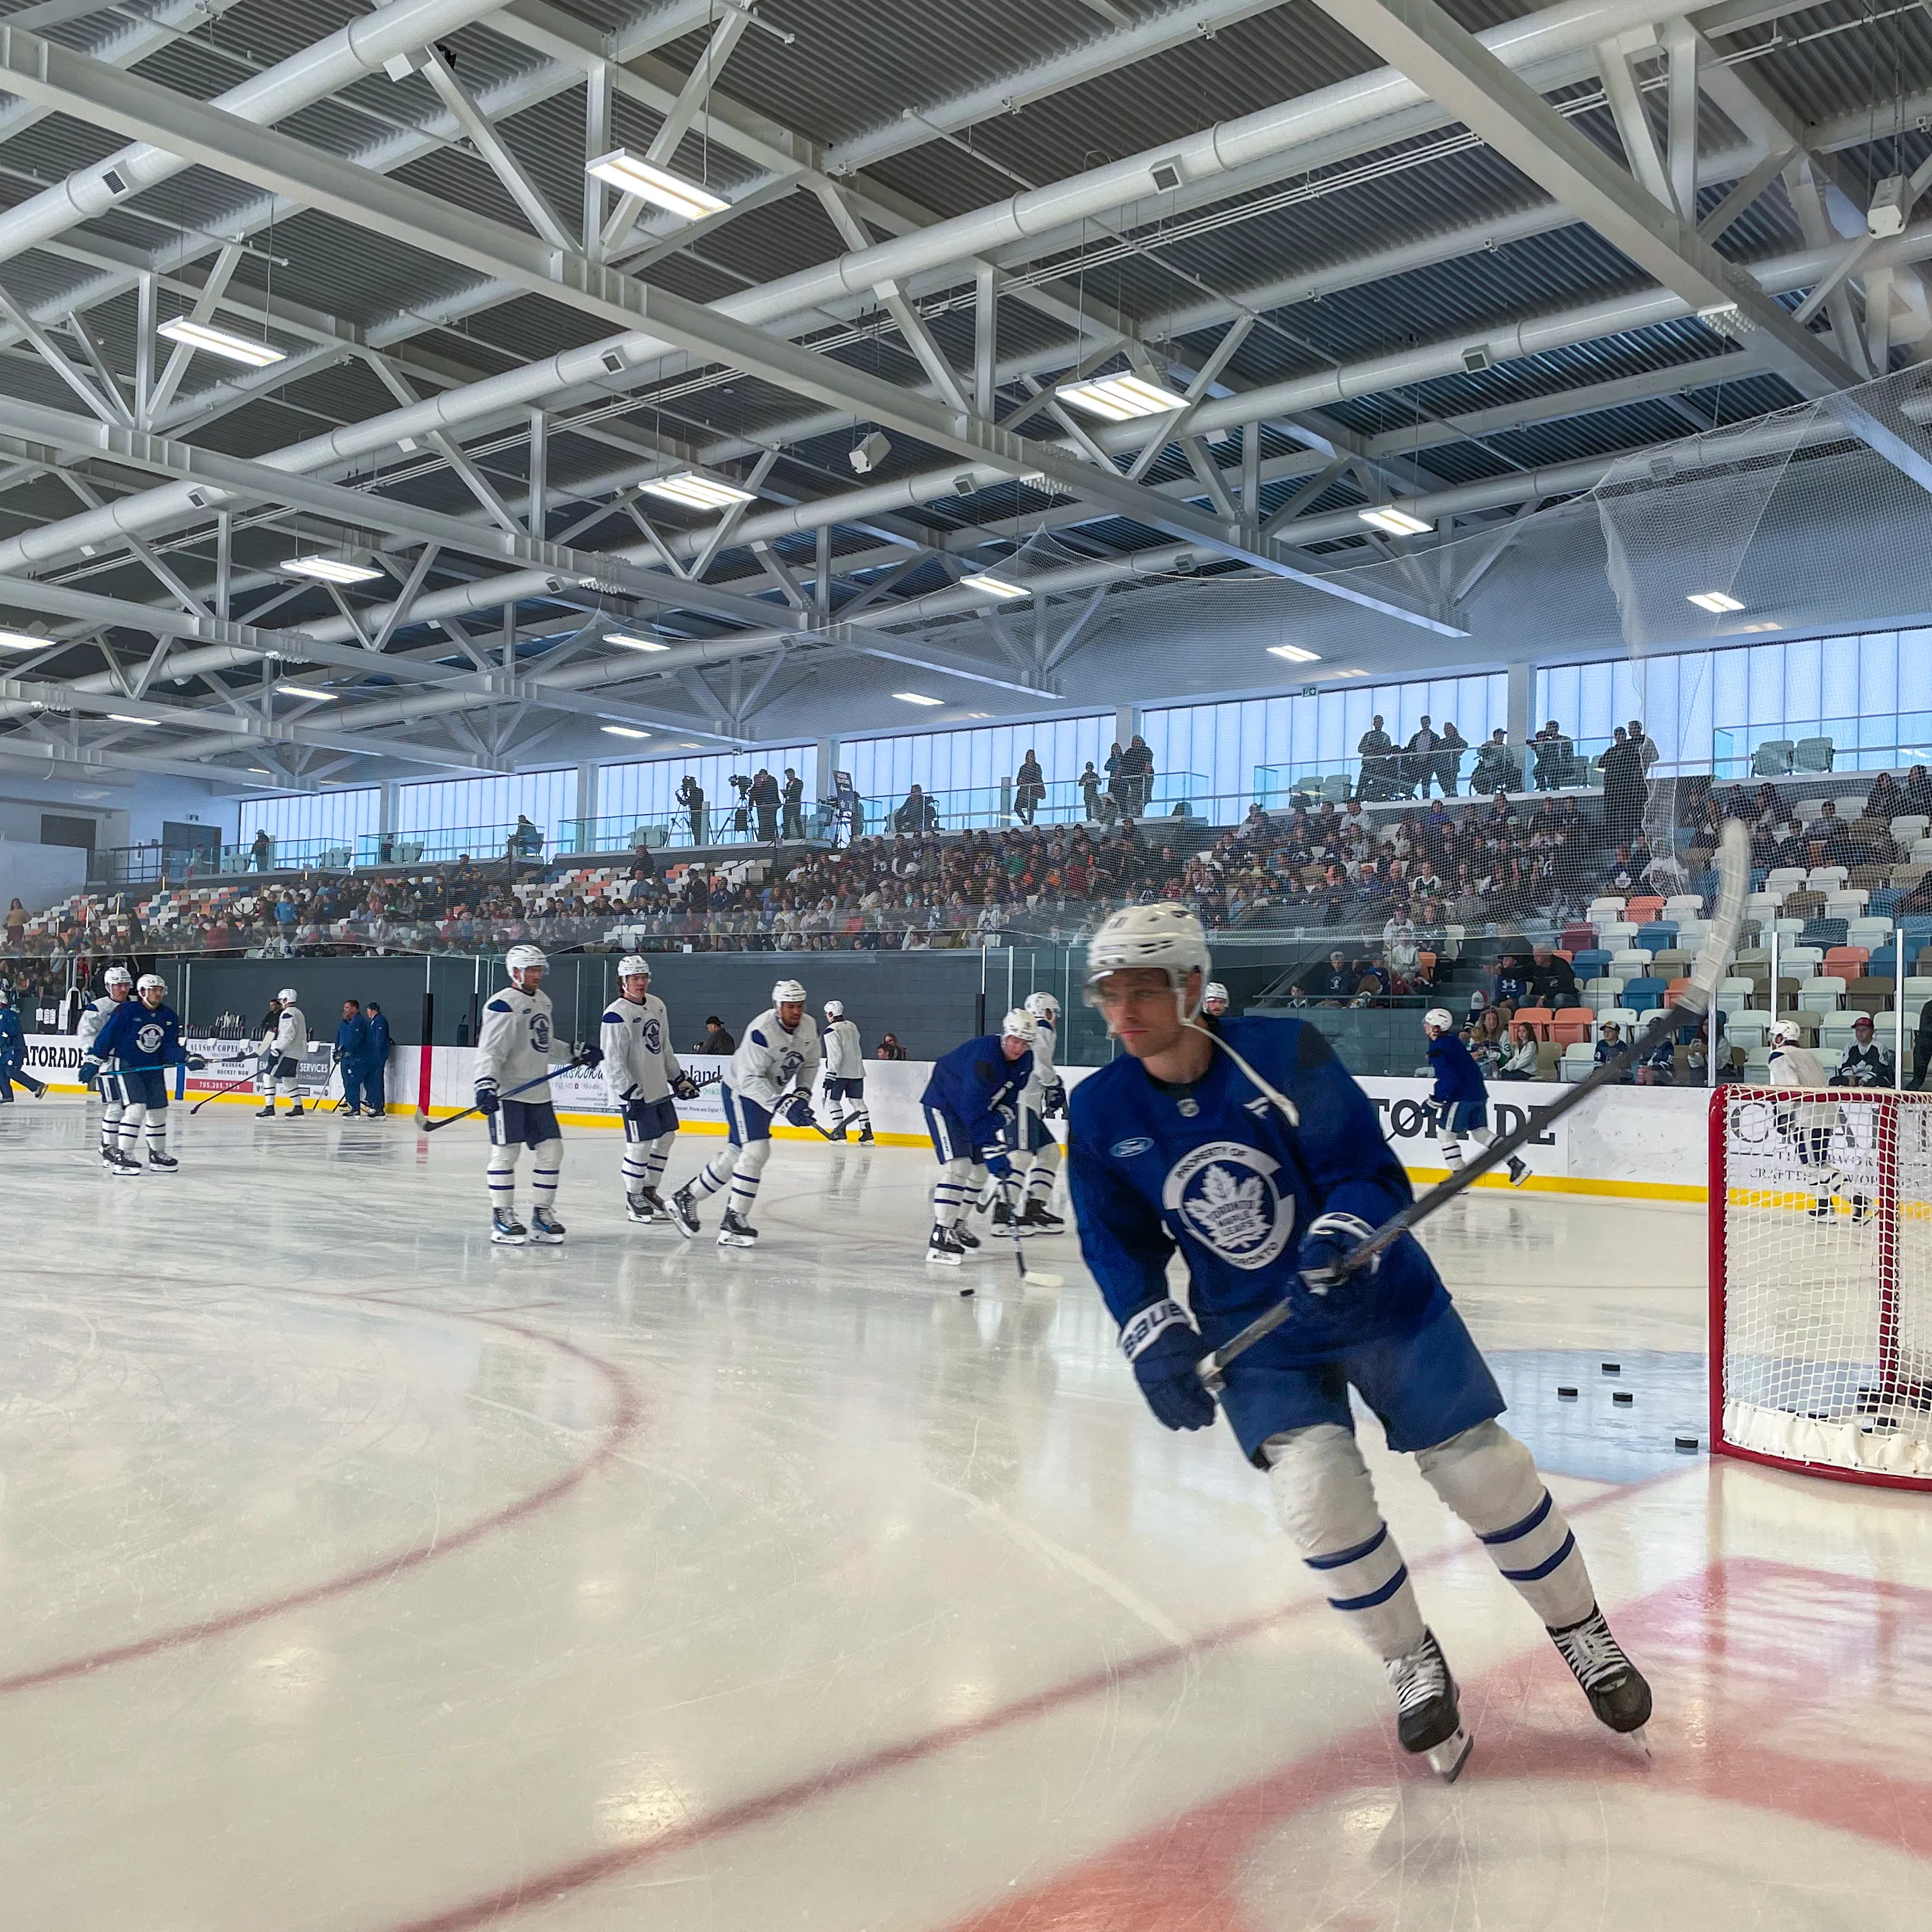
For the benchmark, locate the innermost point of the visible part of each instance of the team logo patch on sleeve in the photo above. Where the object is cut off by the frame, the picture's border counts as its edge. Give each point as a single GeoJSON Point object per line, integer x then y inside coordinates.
{"type": "Point", "coordinates": [1225, 1193]}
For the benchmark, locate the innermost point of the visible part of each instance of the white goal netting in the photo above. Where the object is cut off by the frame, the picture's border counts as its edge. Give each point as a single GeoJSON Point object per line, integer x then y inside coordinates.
{"type": "Point", "coordinates": [1821, 1237]}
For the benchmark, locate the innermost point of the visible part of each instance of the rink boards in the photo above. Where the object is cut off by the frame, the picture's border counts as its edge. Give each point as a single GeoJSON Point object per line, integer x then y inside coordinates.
{"type": "Point", "coordinates": [1645, 1143]}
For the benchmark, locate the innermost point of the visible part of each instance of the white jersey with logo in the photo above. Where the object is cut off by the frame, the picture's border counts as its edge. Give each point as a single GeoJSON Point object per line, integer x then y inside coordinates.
{"type": "Point", "coordinates": [93, 1019]}
{"type": "Point", "coordinates": [1799, 1066]}
{"type": "Point", "coordinates": [770, 1062]}
{"type": "Point", "coordinates": [515, 1042]}
{"type": "Point", "coordinates": [638, 1062]}
{"type": "Point", "coordinates": [289, 1036]}
{"type": "Point", "coordinates": [845, 1054]}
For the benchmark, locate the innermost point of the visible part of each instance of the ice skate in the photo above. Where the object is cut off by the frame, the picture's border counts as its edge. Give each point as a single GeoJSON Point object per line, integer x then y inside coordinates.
{"type": "Point", "coordinates": [735, 1231]}
{"type": "Point", "coordinates": [865, 1138]}
{"type": "Point", "coordinates": [1862, 1210]}
{"type": "Point", "coordinates": [1039, 1215]}
{"type": "Point", "coordinates": [1820, 1210]}
{"type": "Point", "coordinates": [546, 1228]}
{"type": "Point", "coordinates": [1615, 1688]}
{"type": "Point", "coordinates": [641, 1210]}
{"type": "Point", "coordinates": [1428, 1722]}
{"type": "Point", "coordinates": [964, 1236]}
{"type": "Point", "coordinates": [162, 1163]}
{"type": "Point", "coordinates": [1519, 1170]}
{"type": "Point", "coordinates": [655, 1201]}
{"type": "Point", "coordinates": [125, 1165]}
{"type": "Point", "coordinates": [942, 1248]}
{"type": "Point", "coordinates": [296, 1111]}
{"type": "Point", "coordinates": [683, 1211]}
{"type": "Point", "coordinates": [110, 1157]}
{"type": "Point", "coordinates": [267, 1113]}
{"type": "Point", "coordinates": [505, 1230]}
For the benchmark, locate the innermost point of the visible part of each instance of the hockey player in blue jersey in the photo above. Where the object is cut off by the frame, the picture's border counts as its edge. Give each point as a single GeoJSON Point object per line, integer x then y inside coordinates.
{"type": "Point", "coordinates": [1462, 1101]}
{"type": "Point", "coordinates": [1256, 1154]}
{"type": "Point", "coordinates": [972, 1112]}
{"type": "Point", "coordinates": [142, 1036]}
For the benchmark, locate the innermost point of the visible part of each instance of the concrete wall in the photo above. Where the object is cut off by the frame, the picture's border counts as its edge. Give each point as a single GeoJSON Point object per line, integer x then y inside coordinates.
{"type": "Point", "coordinates": [38, 875]}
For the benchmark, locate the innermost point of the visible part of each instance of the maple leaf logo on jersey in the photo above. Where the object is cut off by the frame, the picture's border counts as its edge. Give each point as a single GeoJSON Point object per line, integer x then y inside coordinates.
{"type": "Point", "coordinates": [1224, 1194]}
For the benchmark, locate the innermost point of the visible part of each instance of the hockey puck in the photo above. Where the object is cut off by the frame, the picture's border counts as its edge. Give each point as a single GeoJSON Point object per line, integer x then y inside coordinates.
{"type": "Point", "coordinates": [1565, 1394]}
{"type": "Point", "coordinates": [1613, 1368]}
{"type": "Point", "coordinates": [1623, 1398]}
{"type": "Point", "coordinates": [1688, 1443]}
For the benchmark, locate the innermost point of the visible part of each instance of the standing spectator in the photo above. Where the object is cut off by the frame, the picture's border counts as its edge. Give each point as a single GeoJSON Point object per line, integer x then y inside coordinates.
{"type": "Point", "coordinates": [1137, 764]}
{"type": "Point", "coordinates": [1496, 770]}
{"type": "Point", "coordinates": [351, 1049]}
{"type": "Point", "coordinates": [1625, 793]}
{"type": "Point", "coordinates": [691, 796]}
{"type": "Point", "coordinates": [794, 796]}
{"type": "Point", "coordinates": [1553, 753]}
{"type": "Point", "coordinates": [889, 1048]}
{"type": "Point", "coordinates": [1450, 746]}
{"type": "Point", "coordinates": [1645, 744]}
{"type": "Point", "coordinates": [716, 1040]}
{"type": "Point", "coordinates": [1418, 765]}
{"type": "Point", "coordinates": [764, 800]}
{"type": "Point", "coordinates": [262, 853]}
{"type": "Point", "coordinates": [1029, 788]}
{"type": "Point", "coordinates": [1090, 792]}
{"type": "Point", "coordinates": [1116, 776]}
{"type": "Point", "coordinates": [1374, 747]}
{"type": "Point", "coordinates": [16, 926]}
{"type": "Point", "coordinates": [376, 1064]}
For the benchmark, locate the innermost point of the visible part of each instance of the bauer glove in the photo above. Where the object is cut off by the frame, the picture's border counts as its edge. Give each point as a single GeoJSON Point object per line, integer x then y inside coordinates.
{"type": "Point", "coordinates": [684, 1087]}
{"type": "Point", "coordinates": [90, 1072]}
{"type": "Point", "coordinates": [798, 1111]}
{"type": "Point", "coordinates": [1164, 1347]}
{"type": "Point", "coordinates": [487, 1102]}
{"type": "Point", "coordinates": [1330, 1238]}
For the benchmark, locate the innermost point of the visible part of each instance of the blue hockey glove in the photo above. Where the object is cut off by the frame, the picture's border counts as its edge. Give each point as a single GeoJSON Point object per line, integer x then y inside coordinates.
{"type": "Point", "coordinates": [487, 1102]}
{"type": "Point", "coordinates": [588, 1056]}
{"type": "Point", "coordinates": [684, 1087]}
{"type": "Point", "coordinates": [1329, 1238]}
{"type": "Point", "coordinates": [798, 1111]}
{"type": "Point", "coordinates": [90, 1072]}
{"type": "Point", "coordinates": [196, 1064]}
{"type": "Point", "coordinates": [996, 1163]}
{"type": "Point", "coordinates": [1164, 1347]}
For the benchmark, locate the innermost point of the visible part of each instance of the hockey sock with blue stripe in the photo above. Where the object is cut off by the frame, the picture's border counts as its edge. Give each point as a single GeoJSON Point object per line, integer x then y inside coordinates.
{"type": "Point", "coordinates": [714, 1173]}
{"type": "Point", "coordinates": [546, 1163]}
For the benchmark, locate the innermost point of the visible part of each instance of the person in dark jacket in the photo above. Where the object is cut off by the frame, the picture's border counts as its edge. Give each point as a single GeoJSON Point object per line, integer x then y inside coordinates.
{"type": "Point", "coordinates": [1625, 793]}
{"type": "Point", "coordinates": [764, 800]}
{"type": "Point", "coordinates": [716, 1040]}
{"type": "Point", "coordinates": [793, 797]}
{"type": "Point", "coordinates": [376, 1063]}
{"type": "Point", "coordinates": [1029, 788]}
{"type": "Point", "coordinates": [352, 1050]}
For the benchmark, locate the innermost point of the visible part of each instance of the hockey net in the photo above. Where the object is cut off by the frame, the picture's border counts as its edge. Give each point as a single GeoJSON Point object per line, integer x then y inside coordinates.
{"type": "Point", "coordinates": [1821, 1281]}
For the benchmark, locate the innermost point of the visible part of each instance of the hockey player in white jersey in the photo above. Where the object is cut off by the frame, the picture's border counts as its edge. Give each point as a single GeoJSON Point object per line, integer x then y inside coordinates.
{"type": "Point", "coordinates": [1810, 1126]}
{"type": "Point", "coordinates": [1043, 1101]}
{"type": "Point", "coordinates": [283, 1046]}
{"type": "Point", "coordinates": [844, 1077]}
{"type": "Point", "coordinates": [513, 1048]}
{"type": "Point", "coordinates": [118, 984]}
{"type": "Point", "coordinates": [772, 1072]}
{"type": "Point", "coordinates": [641, 1074]}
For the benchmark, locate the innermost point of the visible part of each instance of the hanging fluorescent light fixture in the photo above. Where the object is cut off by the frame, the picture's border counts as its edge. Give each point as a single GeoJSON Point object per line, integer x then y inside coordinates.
{"type": "Point", "coordinates": [22, 640]}
{"type": "Point", "coordinates": [1397, 522]}
{"type": "Point", "coordinates": [993, 586]}
{"type": "Point", "coordinates": [697, 492]}
{"type": "Point", "coordinates": [1715, 601]}
{"type": "Point", "coordinates": [625, 731]}
{"type": "Point", "coordinates": [121, 718]}
{"type": "Point", "coordinates": [916, 697]}
{"type": "Point", "coordinates": [626, 172]}
{"type": "Point", "coordinates": [631, 643]}
{"type": "Point", "coordinates": [190, 333]}
{"type": "Point", "coordinates": [1294, 654]}
{"type": "Point", "coordinates": [331, 569]}
{"type": "Point", "coordinates": [1121, 398]}
{"type": "Point", "coordinates": [307, 691]}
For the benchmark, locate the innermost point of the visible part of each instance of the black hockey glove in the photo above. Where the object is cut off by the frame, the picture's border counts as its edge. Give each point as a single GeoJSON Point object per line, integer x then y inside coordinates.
{"type": "Point", "coordinates": [1164, 1346]}
{"type": "Point", "coordinates": [487, 1102]}
{"type": "Point", "coordinates": [588, 1056]}
{"type": "Point", "coordinates": [1054, 1103]}
{"type": "Point", "coordinates": [196, 1064]}
{"type": "Point", "coordinates": [684, 1087]}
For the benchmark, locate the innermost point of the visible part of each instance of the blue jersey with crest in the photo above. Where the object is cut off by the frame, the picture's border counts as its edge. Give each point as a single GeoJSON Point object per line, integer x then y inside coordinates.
{"type": "Point", "coordinates": [978, 1085]}
{"type": "Point", "coordinates": [1459, 1080]}
{"type": "Point", "coordinates": [139, 1038]}
{"type": "Point", "coordinates": [1216, 1171]}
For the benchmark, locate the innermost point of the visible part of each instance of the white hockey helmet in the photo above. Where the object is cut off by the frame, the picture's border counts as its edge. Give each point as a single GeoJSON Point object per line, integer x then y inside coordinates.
{"type": "Point", "coordinates": [117, 976]}
{"type": "Point", "coordinates": [1018, 1025]}
{"type": "Point", "coordinates": [1168, 936]}
{"type": "Point", "coordinates": [286, 995]}
{"type": "Point", "coordinates": [1043, 1006]}
{"type": "Point", "coordinates": [1213, 990]}
{"type": "Point", "coordinates": [523, 959]}
{"type": "Point", "coordinates": [631, 965]}
{"type": "Point", "coordinates": [150, 982]}
{"type": "Point", "coordinates": [1786, 1032]}
{"type": "Point", "coordinates": [1441, 1018]}
{"type": "Point", "coordinates": [788, 993]}
{"type": "Point", "coordinates": [835, 1010]}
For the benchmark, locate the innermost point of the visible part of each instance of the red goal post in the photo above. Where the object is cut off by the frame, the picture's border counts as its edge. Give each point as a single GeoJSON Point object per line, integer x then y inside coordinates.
{"type": "Point", "coordinates": [1821, 1281]}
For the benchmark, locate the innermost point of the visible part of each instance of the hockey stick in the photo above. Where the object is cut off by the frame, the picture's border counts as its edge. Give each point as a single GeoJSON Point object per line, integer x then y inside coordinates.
{"type": "Point", "coordinates": [219, 1091]}
{"type": "Point", "coordinates": [1010, 1191]}
{"type": "Point", "coordinates": [1726, 925]}
{"type": "Point", "coordinates": [425, 1125]}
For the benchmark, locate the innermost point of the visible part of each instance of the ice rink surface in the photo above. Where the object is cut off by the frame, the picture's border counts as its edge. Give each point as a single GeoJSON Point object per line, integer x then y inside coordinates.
{"type": "Point", "coordinates": [360, 1575]}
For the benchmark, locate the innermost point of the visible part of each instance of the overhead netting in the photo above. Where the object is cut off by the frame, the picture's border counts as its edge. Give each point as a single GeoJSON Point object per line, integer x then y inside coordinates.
{"type": "Point", "coordinates": [1821, 1205]}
